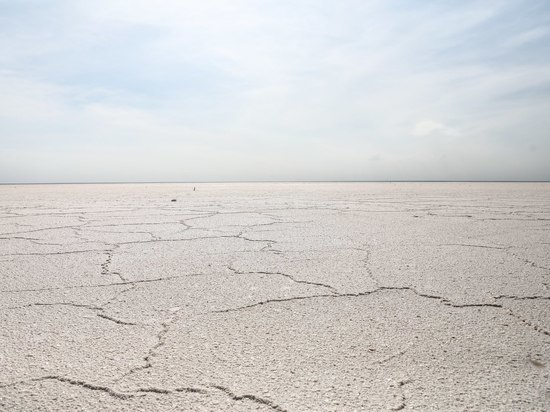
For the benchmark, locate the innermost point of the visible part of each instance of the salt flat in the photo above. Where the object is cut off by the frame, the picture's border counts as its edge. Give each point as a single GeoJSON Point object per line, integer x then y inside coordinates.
{"type": "Point", "coordinates": [284, 297]}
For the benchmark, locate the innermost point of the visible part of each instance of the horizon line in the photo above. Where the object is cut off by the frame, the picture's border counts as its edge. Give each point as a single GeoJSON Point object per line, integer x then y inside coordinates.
{"type": "Point", "coordinates": [270, 181]}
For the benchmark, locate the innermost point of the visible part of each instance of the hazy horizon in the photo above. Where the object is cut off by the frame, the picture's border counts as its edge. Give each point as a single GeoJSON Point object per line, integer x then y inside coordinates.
{"type": "Point", "coordinates": [198, 182]}
{"type": "Point", "coordinates": [178, 91]}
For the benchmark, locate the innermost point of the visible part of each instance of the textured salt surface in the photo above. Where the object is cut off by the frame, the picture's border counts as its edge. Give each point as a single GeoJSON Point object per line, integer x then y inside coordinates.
{"type": "Point", "coordinates": [285, 297]}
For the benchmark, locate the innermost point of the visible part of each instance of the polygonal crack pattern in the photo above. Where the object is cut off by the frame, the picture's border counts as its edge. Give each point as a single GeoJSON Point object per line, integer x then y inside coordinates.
{"type": "Point", "coordinates": [275, 297]}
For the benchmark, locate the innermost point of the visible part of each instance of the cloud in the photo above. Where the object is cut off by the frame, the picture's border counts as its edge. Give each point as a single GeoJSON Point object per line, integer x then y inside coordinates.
{"type": "Point", "coordinates": [430, 128]}
{"type": "Point", "coordinates": [329, 85]}
{"type": "Point", "coordinates": [528, 36]}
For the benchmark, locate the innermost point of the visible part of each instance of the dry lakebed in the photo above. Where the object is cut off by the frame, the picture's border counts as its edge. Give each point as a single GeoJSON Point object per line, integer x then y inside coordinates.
{"type": "Point", "coordinates": [275, 297]}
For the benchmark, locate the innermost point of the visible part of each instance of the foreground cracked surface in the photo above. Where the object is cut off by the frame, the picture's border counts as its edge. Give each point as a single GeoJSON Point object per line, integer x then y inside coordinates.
{"type": "Point", "coordinates": [275, 297]}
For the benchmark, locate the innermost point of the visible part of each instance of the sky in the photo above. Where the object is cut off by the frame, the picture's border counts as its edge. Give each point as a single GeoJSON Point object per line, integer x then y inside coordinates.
{"type": "Point", "coordinates": [177, 90]}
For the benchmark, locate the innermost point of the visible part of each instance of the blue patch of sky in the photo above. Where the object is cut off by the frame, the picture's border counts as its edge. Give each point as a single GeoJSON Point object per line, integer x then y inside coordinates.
{"type": "Point", "coordinates": [122, 63]}
{"type": "Point", "coordinates": [490, 43]}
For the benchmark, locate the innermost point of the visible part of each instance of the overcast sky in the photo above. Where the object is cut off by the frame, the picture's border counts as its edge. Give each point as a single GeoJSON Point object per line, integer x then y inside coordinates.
{"type": "Point", "coordinates": [176, 90]}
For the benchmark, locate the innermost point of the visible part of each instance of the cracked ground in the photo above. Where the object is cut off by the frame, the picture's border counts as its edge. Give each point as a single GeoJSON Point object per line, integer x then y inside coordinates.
{"type": "Point", "coordinates": [275, 297]}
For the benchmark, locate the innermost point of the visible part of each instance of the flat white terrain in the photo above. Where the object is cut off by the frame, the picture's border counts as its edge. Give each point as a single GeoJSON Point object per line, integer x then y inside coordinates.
{"type": "Point", "coordinates": [275, 297]}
